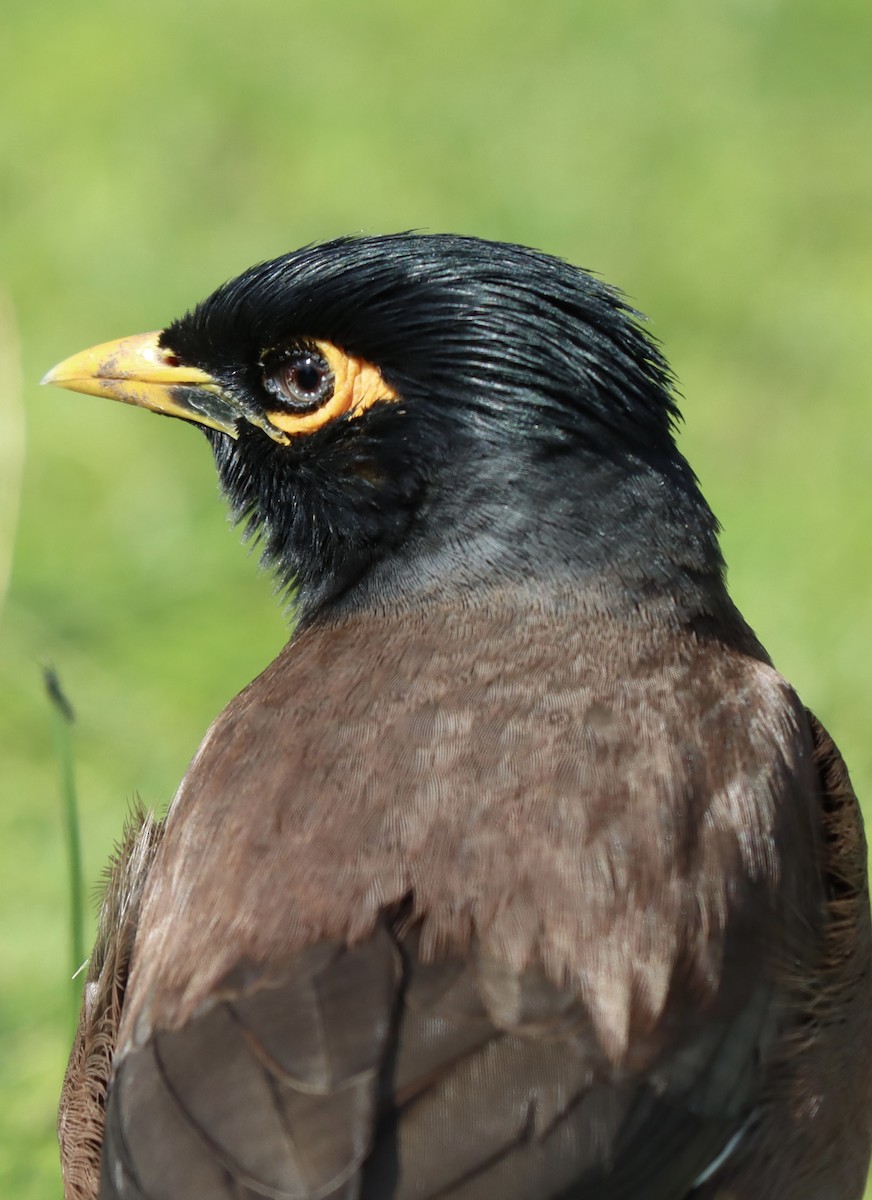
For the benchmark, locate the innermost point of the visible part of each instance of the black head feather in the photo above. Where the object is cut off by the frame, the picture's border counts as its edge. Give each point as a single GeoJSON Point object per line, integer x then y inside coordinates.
{"type": "Point", "coordinates": [534, 433]}
{"type": "Point", "coordinates": [474, 323]}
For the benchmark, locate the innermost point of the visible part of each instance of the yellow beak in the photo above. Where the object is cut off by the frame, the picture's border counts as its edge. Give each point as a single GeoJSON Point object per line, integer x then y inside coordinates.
{"type": "Point", "coordinates": [138, 370]}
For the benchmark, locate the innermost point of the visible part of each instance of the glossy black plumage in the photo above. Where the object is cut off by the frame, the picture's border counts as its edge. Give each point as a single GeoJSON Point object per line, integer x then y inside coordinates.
{"type": "Point", "coordinates": [520, 872]}
{"type": "Point", "coordinates": [524, 382]}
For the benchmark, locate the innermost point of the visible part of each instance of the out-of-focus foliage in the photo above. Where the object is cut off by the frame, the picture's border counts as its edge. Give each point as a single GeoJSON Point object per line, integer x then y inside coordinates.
{"type": "Point", "coordinates": [710, 158]}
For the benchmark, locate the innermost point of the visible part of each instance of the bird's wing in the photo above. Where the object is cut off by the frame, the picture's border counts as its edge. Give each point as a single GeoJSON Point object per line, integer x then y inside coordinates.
{"type": "Point", "coordinates": [365, 1071]}
{"type": "Point", "coordinates": [822, 1134]}
{"type": "Point", "coordinates": [500, 1089]}
{"type": "Point", "coordinates": [272, 1090]}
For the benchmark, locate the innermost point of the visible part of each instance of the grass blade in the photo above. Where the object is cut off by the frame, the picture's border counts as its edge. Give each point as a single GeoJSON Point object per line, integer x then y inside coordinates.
{"type": "Point", "coordinates": [62, 722]}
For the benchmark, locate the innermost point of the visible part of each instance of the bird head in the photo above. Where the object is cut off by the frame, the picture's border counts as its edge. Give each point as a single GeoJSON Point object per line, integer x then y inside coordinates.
{"type": "Point", "coordinates": [410, 412]}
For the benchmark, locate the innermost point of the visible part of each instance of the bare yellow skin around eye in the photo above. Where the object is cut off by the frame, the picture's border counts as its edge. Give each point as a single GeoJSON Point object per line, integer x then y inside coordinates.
{"type": "Point", "coordinates": [357, 386]}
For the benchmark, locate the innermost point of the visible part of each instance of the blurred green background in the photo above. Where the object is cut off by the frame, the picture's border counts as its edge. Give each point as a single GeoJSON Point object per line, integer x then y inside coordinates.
{"type": "Point", "coordinates": [711, 157]}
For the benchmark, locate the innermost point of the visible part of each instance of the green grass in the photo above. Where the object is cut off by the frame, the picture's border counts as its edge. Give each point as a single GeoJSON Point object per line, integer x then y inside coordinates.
{"type": "Point", "coordinates": [712, 159]}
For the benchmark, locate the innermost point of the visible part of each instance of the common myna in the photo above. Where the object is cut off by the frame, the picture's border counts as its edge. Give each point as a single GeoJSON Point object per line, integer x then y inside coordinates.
{"type": "Point", "coordinates": [520, 874]}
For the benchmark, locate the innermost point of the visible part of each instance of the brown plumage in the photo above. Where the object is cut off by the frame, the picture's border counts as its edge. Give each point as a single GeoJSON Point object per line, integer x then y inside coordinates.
{"type": "Point", "coordinates": [520, 873]}
{"type": "Point", "coordinates": [83, 1098]}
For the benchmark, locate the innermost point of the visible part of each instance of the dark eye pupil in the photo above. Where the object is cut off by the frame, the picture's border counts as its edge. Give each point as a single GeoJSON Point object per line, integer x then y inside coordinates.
{"type": "Point", "coordinates": [302, 382]}
{"type": "Point", "coordinates": [306, 376]}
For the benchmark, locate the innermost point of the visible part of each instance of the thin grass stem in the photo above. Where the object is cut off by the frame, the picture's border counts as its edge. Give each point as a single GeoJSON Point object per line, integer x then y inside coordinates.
{"type": "Point", "coordinates": [62, 722]}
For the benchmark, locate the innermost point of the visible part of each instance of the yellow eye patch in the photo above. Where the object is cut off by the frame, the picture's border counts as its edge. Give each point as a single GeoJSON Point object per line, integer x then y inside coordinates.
{"type": "Point", "coordinates": [357, 386]}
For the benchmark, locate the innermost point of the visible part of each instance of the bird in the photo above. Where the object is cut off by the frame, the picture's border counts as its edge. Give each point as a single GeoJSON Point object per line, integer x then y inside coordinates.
{"type": "Point", "coordinates": [521, 872]}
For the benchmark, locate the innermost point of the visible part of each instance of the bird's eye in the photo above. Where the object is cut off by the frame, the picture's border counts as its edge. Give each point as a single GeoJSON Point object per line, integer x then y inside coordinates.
{"type": "Point", "coordinates": [302, 382]}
